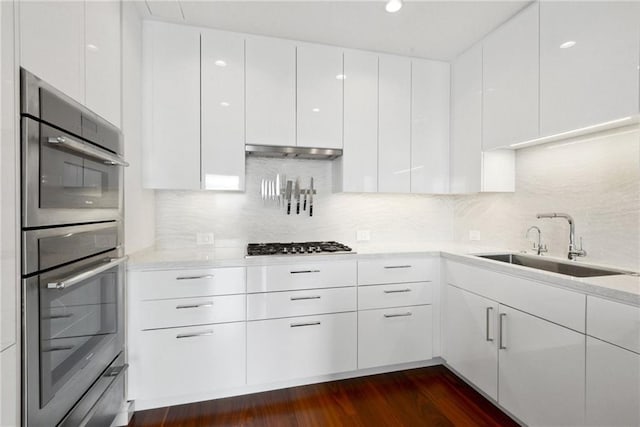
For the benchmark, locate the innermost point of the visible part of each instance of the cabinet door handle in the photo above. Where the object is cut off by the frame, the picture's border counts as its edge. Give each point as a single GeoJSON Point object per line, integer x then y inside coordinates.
{"type": "Point", "coordinates": [195, 334]}
{"type": "Point", "coordinates": [408, 313]}
{"type": "Point", "coordinates": [304, 271]}
{"type": "Point", "coordinates": [204, 304]}
{"type": "Point", "coordinates": [501, 345]}
{"type": "Point", "coordinates": [488, 315]}
{"type": "Point", "coordinates": [304, 298]}
{"type": "Point", "coordinates": [396, 291]}
{"type": "Point", "coordinates": [205, 276]}
{"type": "Point", "coordinates": [299, 325]}
{"type": "Point", "coordinates": [397, 266]}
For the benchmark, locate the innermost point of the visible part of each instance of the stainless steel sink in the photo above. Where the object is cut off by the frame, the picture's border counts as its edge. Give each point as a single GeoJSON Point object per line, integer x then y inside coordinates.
{"type": "Point", "coordinates": [566, 268]}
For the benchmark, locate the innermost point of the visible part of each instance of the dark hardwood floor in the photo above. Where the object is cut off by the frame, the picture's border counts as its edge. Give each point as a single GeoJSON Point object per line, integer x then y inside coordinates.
{"type": "Point", "coordinates": [431, 396]}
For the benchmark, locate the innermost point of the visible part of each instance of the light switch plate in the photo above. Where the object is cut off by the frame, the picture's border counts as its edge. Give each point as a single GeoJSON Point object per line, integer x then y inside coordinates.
{"type": "Point", "coordinates": [204, 238]}
{"type": "Point", "coordinates": [474, 235]}
{"type": "Point", "coordinates": [363, 235]}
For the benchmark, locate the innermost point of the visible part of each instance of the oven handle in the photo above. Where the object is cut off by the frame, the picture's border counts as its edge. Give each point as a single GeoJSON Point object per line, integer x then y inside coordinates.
{"type": "Point", "coordinates": [74, 280]}
{"type": "Point", "coordinates": [106, 157]}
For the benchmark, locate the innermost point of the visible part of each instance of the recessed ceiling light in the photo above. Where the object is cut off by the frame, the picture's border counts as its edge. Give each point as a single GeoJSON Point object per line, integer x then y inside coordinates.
{"type": "Point", "coordinates": [220, 63]}
{"type": "Point", "coordinates": [393, 6]}
{"type": "Point", "coordinates": [316, 110]}
{"type": "Point", "coordinates": [224, 104]}
{"type": "Point", "coordinates": [341, 77]}
{"type": "Point", "coordinates": [92, 47]}
{"type": "Point", "coordinates": [567, 44]}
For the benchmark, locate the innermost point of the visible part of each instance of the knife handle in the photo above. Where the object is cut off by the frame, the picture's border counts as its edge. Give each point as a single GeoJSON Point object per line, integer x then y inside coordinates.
{"type": "Point", "coordinates": [298, 208]}
{"type": "Point", "coordinates": [310, 209]}
{"type": "Point", "coordinates": [289, 207]}
{"type": "Point", "coordinates": [304, 206]}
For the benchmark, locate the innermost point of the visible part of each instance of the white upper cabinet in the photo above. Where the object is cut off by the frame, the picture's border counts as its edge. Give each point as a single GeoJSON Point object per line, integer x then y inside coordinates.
{"type": "Point", "coordinates": [394, 124]}
{"type": "Point", "coordinates": [103, 53]}
{"type": "Point", "coordinates": [510, 81]}
{"type": "Point", "coordinates": [223, 156]}
{"type": "Point", "coordinates": [357, 170]}
{"type": "Point", "coordinates": [52, 43]}
{"type": "Point", "coordinates": [466, 121]}
{"type": "Point", "coordinates": [320, 78]}
{"type": "Point", "coordinates": [270, 92]}
{"type": "Point", "coordinates": [589, 59]}
{"type": "Point", "coordinates": [171, 97]}
{"type": "Point", "coordinates": [430, 90]}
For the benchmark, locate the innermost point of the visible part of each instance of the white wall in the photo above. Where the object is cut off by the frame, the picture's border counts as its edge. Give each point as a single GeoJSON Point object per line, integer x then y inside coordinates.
{"type": "Point", "coordinates": [139, 203]}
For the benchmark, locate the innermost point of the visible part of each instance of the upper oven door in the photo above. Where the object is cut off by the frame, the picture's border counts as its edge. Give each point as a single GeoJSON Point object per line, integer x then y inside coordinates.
{"type": "Point", "coordinates": [66, 180]}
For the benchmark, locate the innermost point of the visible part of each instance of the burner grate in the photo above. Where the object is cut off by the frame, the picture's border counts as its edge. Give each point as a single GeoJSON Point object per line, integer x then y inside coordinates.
{"type": "Point", "coordinates": [296, 248]}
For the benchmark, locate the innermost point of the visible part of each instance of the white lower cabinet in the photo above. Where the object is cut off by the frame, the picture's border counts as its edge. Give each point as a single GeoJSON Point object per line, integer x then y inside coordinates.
{"type": "Point", "coordinates": [391, 336]}
{"type": "Point", "coordinates": [541, 370]}
{"type": "Point", "coordinates": [470, 338]}
{"type": "Point", "coordinates": [298, 347]}
{"type": "Point", "coordinates": [188, 361]}
{"type": "Point", "coordinates": [613, 385]}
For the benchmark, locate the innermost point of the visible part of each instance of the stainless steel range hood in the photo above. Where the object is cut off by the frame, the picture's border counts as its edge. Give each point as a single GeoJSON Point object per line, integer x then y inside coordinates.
{"type": "Point", "coordinates": [293, 152]}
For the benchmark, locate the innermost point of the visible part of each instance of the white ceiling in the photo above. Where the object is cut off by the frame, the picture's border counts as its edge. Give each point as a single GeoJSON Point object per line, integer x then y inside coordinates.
{"type": "Point", "coordinates": [428, 29]}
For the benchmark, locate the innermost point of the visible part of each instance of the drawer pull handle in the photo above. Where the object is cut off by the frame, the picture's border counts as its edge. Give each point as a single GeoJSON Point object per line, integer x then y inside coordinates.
{"type": "Point", "coordinates": [488, 317]}
{"type": "Point", "coordinates": [195, 334]}
{"type": "Point", "coordinates": [396, 291]}
{"type": "Point", "coordinates": [501, 345]}
{"type": "Point", "coordinates": [408, 313]}
{"type": "Point", "coordinates": [299, 325]}
{"type": "Point", "coordinates": [304, 298]}
{"type": "Point", "coordinates": [59, 316]}
{"type": "Point", "coordinates": [397, 266]}
{"type": "Point", "coordinates": [206, 276]}
{"type": "Point", "coordinates": [204, 304]}
{"type": "Point", "coordinates": [304, 271]}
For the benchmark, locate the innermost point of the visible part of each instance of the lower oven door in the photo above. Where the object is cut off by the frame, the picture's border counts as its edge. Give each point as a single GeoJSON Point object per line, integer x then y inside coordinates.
{"type": "Point", "coordinates": [73, 330]}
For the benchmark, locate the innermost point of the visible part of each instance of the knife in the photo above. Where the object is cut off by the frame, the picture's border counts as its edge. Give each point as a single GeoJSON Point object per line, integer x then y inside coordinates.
{"type": "Point", "coordinates": [311, 198]}
{"type": "Point", "coordinates": [297, 195]}
{"type": "Point", "coordinates": [304, 205]}
{"type": "Point", "coordinates": [287, 196]}
{"type": "Point", "coordinates": [262, 190]}
{"type": "Point", "coordinates": [278, 189]}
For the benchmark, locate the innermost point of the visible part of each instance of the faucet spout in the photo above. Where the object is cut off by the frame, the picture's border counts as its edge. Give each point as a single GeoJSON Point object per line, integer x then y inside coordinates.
{"type": "Point", "coordinates": [574, 251]}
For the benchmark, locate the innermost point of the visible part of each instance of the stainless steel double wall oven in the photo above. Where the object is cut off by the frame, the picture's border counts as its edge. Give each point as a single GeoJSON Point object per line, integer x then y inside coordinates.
{"type": "Point", "coordinates": [72, 261]}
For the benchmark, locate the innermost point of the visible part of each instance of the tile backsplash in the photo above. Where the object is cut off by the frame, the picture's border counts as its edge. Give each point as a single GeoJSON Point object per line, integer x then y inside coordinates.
{"type": "Point", "coordinates": [595, 179]}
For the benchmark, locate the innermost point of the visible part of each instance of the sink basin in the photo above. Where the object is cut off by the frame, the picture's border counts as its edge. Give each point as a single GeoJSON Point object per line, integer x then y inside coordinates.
{"type": "Point", "coordinates": [575, 270]}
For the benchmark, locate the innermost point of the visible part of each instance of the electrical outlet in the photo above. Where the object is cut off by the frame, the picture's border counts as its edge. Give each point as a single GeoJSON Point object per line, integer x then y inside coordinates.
{"type": "Point", "coordinates": [204, 238]}
{"type": "Point", "coordinates": [474, 235]}
{"type": "Point", "coordinates": [363, 235]}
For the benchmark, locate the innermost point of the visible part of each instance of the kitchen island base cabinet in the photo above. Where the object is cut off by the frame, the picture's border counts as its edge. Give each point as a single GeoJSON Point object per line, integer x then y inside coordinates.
{"type": "Point", "coordinates": [187, 361]}
{"type": "Point", "coordinates": [284, 349]}
{"type": "Point", "coordinates": [391, 336]}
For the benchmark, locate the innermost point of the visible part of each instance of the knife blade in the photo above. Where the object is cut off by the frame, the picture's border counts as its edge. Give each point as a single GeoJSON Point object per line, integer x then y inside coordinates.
{"type": "Point", "coordinates": [288, 196]}
{"type": "Point", "coordinates": [262, 189]}
{"type": "Point", "coordinates": [311, 198]}
{"type": "Point", "coordinates": [278, 189]}
{"type": "Point", "coordinates": [297, 195]}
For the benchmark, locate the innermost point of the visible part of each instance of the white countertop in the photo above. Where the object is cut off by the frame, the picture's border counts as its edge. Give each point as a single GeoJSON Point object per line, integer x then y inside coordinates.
{"type": "Point", "coordinates": [622, 288]}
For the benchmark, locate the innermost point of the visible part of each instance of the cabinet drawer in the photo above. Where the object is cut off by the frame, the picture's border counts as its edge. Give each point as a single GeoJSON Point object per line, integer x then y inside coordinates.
{"type": "Point", "coordinates": [167, 284]}
{"type": "Point", "coordinates": [397, 270]}
{"type": "Point", "coordinates": [300, 303]}
{"type": "Point", "coordinates": [396, 295]}
{"type": "Point", "coordinates": [392, 336]}
{"type": "Point", "coordinates": [561, 306]}
{"type": "Point", "coordinates": [614, 322]}
{"type": "Point", "coordinates": [187, 361]}
{"type": "Point", "coordinates": [299, 347]}
{"type": "Point", "coordinates": [306, 275]}
{"type": "Point", "coordinates": [192, 311]}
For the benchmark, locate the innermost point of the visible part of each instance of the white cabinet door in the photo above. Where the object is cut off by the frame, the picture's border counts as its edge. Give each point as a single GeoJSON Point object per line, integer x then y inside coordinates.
{"type": "Point", "coordinates": [390, 336]}
{"type": "Point", "coordinates": [223, 157]}
{"type": "Point", "coordinates": [299, 347]}
{"type": "Point", "coordinates": [103, 53]}
{"type": "Point", "coordinates": [398, 270]}
{"type": "Point", "coordinates": [171, 98]}
{"type": "Point", "coordinates": [357, 169]}
{"type": "Point", "coordinates": [589, 58]}
{"type": "Point", "coordinates": [9, 388]}
{"type": "Point", "coordinates": [541, 370]}
{"type": "Point", "coordinates": [510, 81]}
{"type": "Point", "coordinates": [394, 124]}
{"type": "Point", "coordinates": [430, 91]}
{"type": "Point", "coordinates": [271, 92]}
{"type": "Point", "coordinates": [308, 275]}
{"type": "Point", "coordinates": [52, 43]}
{"type": "Point", "coordinates": [613, 322]}
{"type": "Point", "coordinates": [470, 338]}
{"type": "Point", "coordinates": [319, 81]}
{"type": "Point", "coordinates": [613, 385]}
{"type": "Point", "coordinates": [466, 121]}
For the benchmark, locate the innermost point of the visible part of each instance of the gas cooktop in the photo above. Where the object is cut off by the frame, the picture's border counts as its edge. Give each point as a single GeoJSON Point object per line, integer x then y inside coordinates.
{"type": "Point", "coordinates": [293, 248]}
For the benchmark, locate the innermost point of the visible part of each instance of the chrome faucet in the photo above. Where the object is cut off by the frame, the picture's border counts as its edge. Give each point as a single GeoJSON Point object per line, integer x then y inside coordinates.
{"type": "Point", "coordinates": [540, 247]}
{"type": "Point", "coordinates": [574, 251]}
